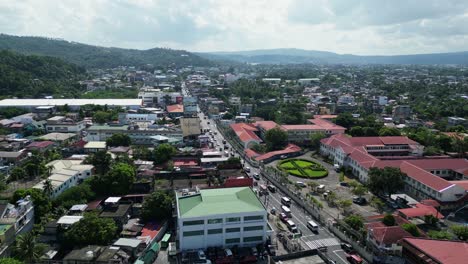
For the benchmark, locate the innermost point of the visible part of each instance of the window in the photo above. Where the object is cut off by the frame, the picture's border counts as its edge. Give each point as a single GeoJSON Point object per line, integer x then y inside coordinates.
{"type": "Point", "coordinates": [252, 239]}
{"type": "Point", "coordinates": [215, 231]}
{"type": "Point", "coordinates": [232, 240]}
{"type": "Point", "coordinates": [253, 218]}
{"type": "Point", "coordinates": [195, 222]}
{"type": "Point", "coordinates": [232, 219]}
{"type": "Point", "coordinates": [232, 230]}
{"type": "Point", "coordinates": [253, 228]}
{"type": "Point", "coordinates": [215, 221]}
{"type": "Point", "coordinates": [194, 233]}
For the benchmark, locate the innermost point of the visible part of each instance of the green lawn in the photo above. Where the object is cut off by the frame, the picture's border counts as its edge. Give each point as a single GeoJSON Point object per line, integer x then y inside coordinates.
{"type": "Point", "coordinates": [303, 168]}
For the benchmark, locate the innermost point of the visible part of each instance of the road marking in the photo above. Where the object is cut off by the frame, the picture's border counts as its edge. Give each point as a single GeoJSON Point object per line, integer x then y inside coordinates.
{"type": "Point", "coordinates": [324, 242]}
{"type": "Point", "coordinates": [334, 252]}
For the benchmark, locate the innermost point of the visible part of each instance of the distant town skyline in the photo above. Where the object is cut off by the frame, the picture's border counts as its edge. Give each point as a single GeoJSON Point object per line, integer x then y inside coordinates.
{"type": "Point", "coordinates": [366, 27]}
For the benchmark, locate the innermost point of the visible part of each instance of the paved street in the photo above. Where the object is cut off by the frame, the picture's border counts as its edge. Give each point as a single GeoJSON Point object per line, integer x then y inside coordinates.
{"type": "Point", "coordinates": [309, 240]}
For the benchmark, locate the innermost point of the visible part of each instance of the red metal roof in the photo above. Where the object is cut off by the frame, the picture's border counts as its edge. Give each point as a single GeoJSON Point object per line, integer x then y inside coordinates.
{"type": "Point", "coordinates": [424, 177]}
{"type": "Point", "coordinates": [389, 234]}
{"type": "Point", "coordinates": [40, 144]}
{"type": "Point", "coordinates": [420, 211]}
{"type": "Point", "coordinates": [463, 184]}
{"type": "Point", "coordinates": [151, 230]}
{"type": "Point", "coordinates": [177, 108]}
{"type": "Point", "coordinates": [444, 251]}
{"type": "Point", "coordinates": [267, 125]}
{"type": "Point", "coordinates": [245, 132]}
{"type": "Point", "coordinates": [290, 148]}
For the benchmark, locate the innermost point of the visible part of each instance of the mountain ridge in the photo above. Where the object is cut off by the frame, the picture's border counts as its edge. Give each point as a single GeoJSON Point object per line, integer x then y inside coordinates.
{"type": "Point", "coordinates": [91, 56]}
{"type": "Point", "coordinates": [292, 55]}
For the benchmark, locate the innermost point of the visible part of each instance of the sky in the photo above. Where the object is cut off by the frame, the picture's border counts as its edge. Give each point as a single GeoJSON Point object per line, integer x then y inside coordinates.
{"type": "Point", "coordinates": [363, 27]}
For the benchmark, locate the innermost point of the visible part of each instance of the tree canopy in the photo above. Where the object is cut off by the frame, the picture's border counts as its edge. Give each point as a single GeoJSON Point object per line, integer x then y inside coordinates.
{"type": "Point", "coordinates": [157, 206]}
{"type": "Point", "coordinates": [90, 230]}
{"type": "Point", "coordinates": [385, 181]}
{"type": "Point", "coordinates": [101, 161]}
{"type": "Point", "coordinates": [42, 204]}
{"type": "Point", "coordinates": [163, 153]}
{"type": "Point", "coordinates": [356, 222]}
{"type": "Point", "coordinates": [276, 138]}
{"type": "Point", "coordinates": [117, 181]}
{"type": "Point", "coordinates": [118, 139]}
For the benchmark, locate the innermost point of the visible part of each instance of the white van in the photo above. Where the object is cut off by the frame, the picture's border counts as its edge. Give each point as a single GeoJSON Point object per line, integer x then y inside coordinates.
{"type": "Point", "coordinates": [321, 188]}
{"type": "Point", "coordinates": [291, 225]}
{"type": "Point", "coordinates": [312, 226]}
{"type": "Point", "coordinates": [286, 201]}
{"type": "Point", "coordinates": [286, 211]}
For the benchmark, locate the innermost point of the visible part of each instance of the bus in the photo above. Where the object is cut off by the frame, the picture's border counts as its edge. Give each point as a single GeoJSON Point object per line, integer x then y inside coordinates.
{"type": "Point", "coordinates": [165, 240]}
{"type": "Point", "coordinates": [263, 189]}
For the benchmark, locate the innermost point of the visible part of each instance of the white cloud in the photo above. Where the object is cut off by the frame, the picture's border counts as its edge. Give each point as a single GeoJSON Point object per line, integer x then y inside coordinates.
{"type": "Point", "coordinates": [360, 27]}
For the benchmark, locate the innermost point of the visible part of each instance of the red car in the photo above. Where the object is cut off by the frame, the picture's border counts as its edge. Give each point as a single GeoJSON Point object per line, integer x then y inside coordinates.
{"type": "Point", "coordinates": [283, 217]}
{"type": "Point", "coordinates": [354, 259]}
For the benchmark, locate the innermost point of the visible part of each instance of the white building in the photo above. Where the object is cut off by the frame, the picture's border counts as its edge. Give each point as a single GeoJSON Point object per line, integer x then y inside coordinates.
{"type": "Point", "coordinates": [64, 124]}
{"type": "Point", "coordinates": [221, 217]}
{"type": "Point", "coordinates": [66, 174]}
{"type": "Point", "coordinates": [383, 100]}
{"type": "Point", "coordinates": [272, 80]}
{"type": "Point", "coordinates": [158, 97]}
{"type": "Point", "coordinates": [127, 118]}
{"type": "Point", "coordinates": [346, 99]}
{"type": "Point", "coordinates": [73, 104]}
{"type": "Point", "coordinates": [308, 81]}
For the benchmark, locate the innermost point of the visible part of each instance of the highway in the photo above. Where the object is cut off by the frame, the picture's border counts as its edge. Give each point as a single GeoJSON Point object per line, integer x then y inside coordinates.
{"type": "Point", "coordinates": [309, 240]}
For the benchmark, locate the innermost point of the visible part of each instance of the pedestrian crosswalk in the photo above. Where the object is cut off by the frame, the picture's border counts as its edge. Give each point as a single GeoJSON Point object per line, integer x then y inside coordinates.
{"type": "Point", "coordinates": [325, 242]}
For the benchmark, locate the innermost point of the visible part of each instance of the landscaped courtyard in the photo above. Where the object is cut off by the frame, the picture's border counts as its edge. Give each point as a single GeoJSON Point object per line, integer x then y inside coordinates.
{"type": "Point", "coordinates": [303, 168]}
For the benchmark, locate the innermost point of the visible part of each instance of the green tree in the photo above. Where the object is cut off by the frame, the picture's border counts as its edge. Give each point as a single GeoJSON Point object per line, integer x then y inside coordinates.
{"type": "Point", "coordinates": [3, 183]}
{"type": "Point", "coordinates": [389, 131]}
{"type": "Point", "coordinates": [228, 116]}
{"type": "Point", "coordinates": [440, 235]}
{"type": "Point", "coordinates": [461, 231]}
{"type": "Point", "coordinates": [315, 139]}
{"type": "Point", "coordinates": [344, 204]}
{"type": "Point", "coordinates": [356, 131]}
{"type": "Point", "coordinates": [356, 222]}
{"type": "Point", "coordinates": [42, 204]}
{"type": "Point", "coordinates": [117, 181]}
{"type": "Point", "coordinates": [345, 120]}
{"type": "Point", "coordinates": [377, 204]}
{"type": "Point", "coordinates": [157, 206]}
{"type": "Point", "coordinates": [431, 220]}
{"type": "Point", "coordinates": [389, 220]}
{"type": "Point", "coordinates": [27, 249]}
{"type": "Point", "coordinates": [118, 139]}
{"type": "Point", "coordinates": [90, 230]}
{"type": "Point", "coordinates": [18, 173]}
{"type": "Point", "coordinates": [47, 187]}
{"type": "Point", "coordinates": [101, 117]}
{"type": "Point", "coordinates": [412, 229]}
{"type": "Point", "coordinates": [163, 153]}
{"type": "Point", "coordinates": [387, 180]}
{"type": "Point", "coordinates": [101, 161]}
{"type": "Point", "coordinates": [276, 138]}
{"type": "Point", "coordinates": [10, 261]}
{"type": "Point", "coordinates": [79, 194]}
{"type": "Point", "coordinates": [359, 190]}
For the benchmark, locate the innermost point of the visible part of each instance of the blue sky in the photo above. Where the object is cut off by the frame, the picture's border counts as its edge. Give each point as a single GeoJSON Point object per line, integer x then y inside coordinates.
{"type": "Point", "coordinates": [344, 26]}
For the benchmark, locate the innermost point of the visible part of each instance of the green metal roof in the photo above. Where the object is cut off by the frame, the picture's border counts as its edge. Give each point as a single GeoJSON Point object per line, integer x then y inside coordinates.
{"type": "Point", "coordinates": [219, 201]}
{"type": "Point", "coordinates": [4, 228]}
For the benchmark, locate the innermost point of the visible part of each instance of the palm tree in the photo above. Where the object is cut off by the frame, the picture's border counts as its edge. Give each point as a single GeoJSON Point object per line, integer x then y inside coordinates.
{"type": "Point", "coordinates": [27, 249]}
{"type": "Point", "coordinates": [48, 188]}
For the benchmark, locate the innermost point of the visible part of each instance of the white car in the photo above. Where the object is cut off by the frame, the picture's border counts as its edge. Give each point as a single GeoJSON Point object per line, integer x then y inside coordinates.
{"type": "Point", "coordinates": [201, 255]}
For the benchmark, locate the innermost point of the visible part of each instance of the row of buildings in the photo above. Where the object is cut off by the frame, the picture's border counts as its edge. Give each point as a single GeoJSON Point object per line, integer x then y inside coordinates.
{"type": "Point", "coordinates": [440, 178]}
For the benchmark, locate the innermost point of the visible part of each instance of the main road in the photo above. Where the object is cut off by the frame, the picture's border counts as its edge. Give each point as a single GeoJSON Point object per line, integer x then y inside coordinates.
{"type": "Point", "coordinates": [309, 240]}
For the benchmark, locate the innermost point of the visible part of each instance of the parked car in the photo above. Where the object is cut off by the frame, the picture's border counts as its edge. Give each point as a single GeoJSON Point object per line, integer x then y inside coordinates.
{"type": "Point", "coordinates": [273, 211]}
{"type": "Point", "coordinates": [301, 184]}
{"type": "Point", "coordinates": [347, 247]}
{"type": "Point", "coordinates": [354, 259]}
{"type": "Point", "coordinates": [345, 184]}
{"type": "Point", "coordinates": [201, 255]}
{"type": "Point", "coordinates": [359, 200]}
{"type": "Point", "coordinates": [283, 157]}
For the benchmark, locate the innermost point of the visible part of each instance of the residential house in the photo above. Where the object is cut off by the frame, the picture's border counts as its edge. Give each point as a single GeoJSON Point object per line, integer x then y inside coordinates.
{"type": "Point", "coordinates": [422, 250]}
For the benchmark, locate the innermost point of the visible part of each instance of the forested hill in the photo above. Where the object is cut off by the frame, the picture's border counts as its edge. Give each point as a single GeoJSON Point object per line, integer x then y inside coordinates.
{"type": "Point", "coordinates": [100, 57]}
{"type": "Point", "coordinates": [35, 76]}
